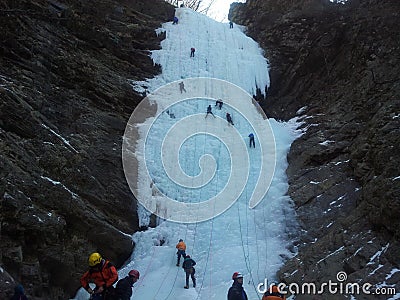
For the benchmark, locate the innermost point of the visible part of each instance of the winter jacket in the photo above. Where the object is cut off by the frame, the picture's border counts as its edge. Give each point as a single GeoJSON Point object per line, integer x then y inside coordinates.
{"type": "Point", "coordinates": [181, 246]}
{"type": "Point", "coordinates": [104, 277]}
{"type": "Point", "coordinates": [236, 292]}
{"type": "Point", "coordinates": [124, 288]}
{"type": "Point", "coordinates": [188, 264]}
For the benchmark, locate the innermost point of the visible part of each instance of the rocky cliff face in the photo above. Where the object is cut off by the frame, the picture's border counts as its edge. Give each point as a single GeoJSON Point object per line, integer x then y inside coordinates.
{"type": "Point", "coordinates": [65, 100]}
{"type": "Point", "coordinates": [336, 68]}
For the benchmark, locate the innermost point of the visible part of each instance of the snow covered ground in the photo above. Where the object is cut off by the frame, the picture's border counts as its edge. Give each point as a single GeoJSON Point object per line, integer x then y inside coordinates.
{"type": "Point", "coordinates": [252, 241]}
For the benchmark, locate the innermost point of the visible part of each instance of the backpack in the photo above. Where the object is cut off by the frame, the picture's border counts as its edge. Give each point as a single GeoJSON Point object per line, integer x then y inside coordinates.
{"type": "Point", "coordinates": [110, 293]}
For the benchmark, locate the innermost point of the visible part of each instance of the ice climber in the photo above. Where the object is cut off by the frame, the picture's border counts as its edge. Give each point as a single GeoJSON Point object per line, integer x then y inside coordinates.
{"type": "Point", "coordinates": [103, 274]}
{"type": "Point", "coordinates": [188, 266]}
{"type": "Point", "coordinates": [181, 246]}
{"type": "Point", "coordinates": [123, 288]}
{"type": "Point", "coordinates": [236, 291]}
{"type": "Point", "coordinates": [229, 118]}
{"type": "Point", "coordinates": [209, 111]}
{"type": "Point", "coordinates": [251, 140]}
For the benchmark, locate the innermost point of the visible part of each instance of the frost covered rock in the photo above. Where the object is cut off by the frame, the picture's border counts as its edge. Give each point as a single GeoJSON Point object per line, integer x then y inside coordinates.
{"type": "Point", "coordinates": [338, 66]}
{"type": "Point", "coordinates": [65, 100]}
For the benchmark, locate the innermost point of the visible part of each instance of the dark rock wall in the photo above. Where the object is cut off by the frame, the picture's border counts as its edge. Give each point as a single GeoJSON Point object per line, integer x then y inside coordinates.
{"type": "Point", "coordinates": [64, 102]}
{"type": "Point", "coordinates": [336, 67]}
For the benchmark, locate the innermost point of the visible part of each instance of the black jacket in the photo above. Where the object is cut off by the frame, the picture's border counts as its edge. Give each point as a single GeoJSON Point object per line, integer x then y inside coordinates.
{"type": "Point", "coordinates": [124, 288]}
{"type": "Point", "coordinates": [188, 264]}
{"type": "Point", "coordinates": [236, 292]}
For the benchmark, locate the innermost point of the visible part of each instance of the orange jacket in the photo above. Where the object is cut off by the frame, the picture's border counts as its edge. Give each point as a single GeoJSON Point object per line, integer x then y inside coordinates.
{"type": "Point", "coordinates": [181, 246]}
{"type": "Point", "coordinates": [273, 294]}
{"type": "Point", "coordinates": [105, 277]}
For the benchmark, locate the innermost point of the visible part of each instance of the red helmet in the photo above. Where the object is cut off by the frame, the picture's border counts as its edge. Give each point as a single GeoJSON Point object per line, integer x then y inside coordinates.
{"type": "Point", "coordinates": [134, 273]}
{"type": "Point", "coordinates": [237, 275]}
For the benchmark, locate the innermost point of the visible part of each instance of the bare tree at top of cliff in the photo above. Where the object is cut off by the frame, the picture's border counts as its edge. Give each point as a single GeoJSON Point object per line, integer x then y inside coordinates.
{"type": "Point", "coordinates": [173, 2]}
{"type": "Point", "coordinates": [206, 8]}
{"type": "Point", "coordinates": [193, 4]}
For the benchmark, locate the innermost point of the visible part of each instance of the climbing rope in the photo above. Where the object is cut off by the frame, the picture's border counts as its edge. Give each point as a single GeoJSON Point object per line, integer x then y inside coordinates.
{"type": "Point", "coordinates": [246, 256]}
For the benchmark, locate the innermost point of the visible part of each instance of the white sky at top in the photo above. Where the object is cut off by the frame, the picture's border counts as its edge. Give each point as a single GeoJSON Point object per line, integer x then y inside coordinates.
{"type": "Point", "coordinates": [219, 9]}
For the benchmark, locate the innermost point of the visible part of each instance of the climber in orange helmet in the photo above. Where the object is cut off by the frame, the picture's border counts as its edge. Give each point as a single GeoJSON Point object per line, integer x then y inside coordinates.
{"type": "Point", "coordinates": [273, 293]}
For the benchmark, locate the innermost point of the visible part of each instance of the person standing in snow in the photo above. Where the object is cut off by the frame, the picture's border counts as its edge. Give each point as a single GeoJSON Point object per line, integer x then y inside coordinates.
{"type": "Point", "coordinates": [181, 246]}
{"type": "Point", "coordinates": [236, 291]}
{"type": "Point", "coordinates": [251, 140]}
{"type": "Point", "coordinates": [209, 111]}
{"type": "Point", "coordinates": [103, 274]}
{"type": "Point", "coordinates": [182, 87]}
{"type": "Point", "coordinates": [230, 24]}
{"type": "Point", "coordinates": [188, 266]}
{"type": "Point", "coordinates": [192, 51]}
{"type": "Point", "coordinates": [123, 288]}
{"type": "Point", "coordinates": [229, 118]}
{"type": "Point", "coordinates": [19, 293]}
{"type": "Point", "coordinates": [176, 20]}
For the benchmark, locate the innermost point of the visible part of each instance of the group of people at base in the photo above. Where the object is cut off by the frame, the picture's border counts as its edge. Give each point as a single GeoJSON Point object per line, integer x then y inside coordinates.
{"type": "Point", "coordinates": [237, 292]}
{"type": "Point", "coordinates": [104, 275]}
{"type": "Point", "coordinates": [188, 263]}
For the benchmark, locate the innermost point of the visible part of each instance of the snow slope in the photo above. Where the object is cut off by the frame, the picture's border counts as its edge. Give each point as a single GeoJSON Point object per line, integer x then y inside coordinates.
{"type": "Point", "coordinates": [252, 241]}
